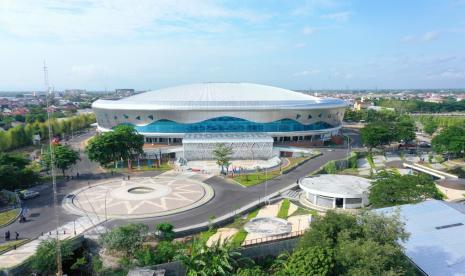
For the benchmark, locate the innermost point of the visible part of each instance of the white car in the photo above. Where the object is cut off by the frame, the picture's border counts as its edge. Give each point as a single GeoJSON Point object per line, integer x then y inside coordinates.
{"type": "Point", "coordinates": [27, 194]}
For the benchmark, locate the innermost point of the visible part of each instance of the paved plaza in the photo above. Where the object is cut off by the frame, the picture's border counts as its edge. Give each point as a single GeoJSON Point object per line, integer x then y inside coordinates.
{"type": "Point", "coordinates": [141, 197]}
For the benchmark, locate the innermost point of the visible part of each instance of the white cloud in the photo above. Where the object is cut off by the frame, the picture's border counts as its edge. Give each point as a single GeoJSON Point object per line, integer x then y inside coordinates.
{"type": "Point", "coordinates": [425, 37]}
{"type": "Point", "coordinates": [307, 72]}
{"type": "Point", "coordinates": [342, 75]}
{"type": "Point", "coordinates": [428, 36]}
{"type": "Point", "coordinates": [76, 19]}
{"type": "Point", "coordinates": [337, 16]}
{"type": "Point", "coordinates": [308, 30]}
{"type": "Point", "coordinates": [311, 6]}
{"type": "Point", "coordinates": [301, 45]}
{"type": "Point", "coordinates": [452, 74]}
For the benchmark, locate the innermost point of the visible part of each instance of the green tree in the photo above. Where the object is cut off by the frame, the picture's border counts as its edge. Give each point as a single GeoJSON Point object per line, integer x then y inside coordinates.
{"type": "Point", "coordinates": [376, 134]}
{"type": "Point", "coordinates": [200, 259]}
{"type": "Point", "coordinates": [404, 129]}
{"type": "Point", "coordinates": [222, 155]}
{"type": "Point", "coordinates": [309, 261]}
{"type": "Point", "coordinates": [44, 260]}
{"type": "Point", "coordinates": [16, 172]}
{"type": "Point", "coordinates": [430, 127]}
{"type": "Point", "coordinates": [360, 244]}
{"type": "Point", "coordinates": [253, 271]}
{"type": "Point", "coordinates": [126, 238]}
{"type": "Point", "coordinates": [65, 157]}
{"type": "Point", "coordinates": [123, 143]}
{"type": "Point", "coordinates": [391, 188]}
{"type": "Point", "coordinates": [450, 140]}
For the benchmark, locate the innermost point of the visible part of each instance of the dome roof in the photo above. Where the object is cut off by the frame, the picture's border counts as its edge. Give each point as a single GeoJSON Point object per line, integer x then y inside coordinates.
{"type": "Point", "coordinates": [225, 96]}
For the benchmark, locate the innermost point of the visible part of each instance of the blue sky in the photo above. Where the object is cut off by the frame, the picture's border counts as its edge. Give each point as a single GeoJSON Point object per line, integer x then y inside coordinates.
{"type": "Point", "coordinates": [312, 44]}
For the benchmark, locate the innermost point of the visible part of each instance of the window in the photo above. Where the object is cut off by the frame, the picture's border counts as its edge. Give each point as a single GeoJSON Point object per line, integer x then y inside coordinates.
{"type": "Point", "coordinates": [297, 117]}
{"type": "Point", "coordinates": [309, 116]}
{"type": "Point", "coordinates": [138, 118]}
{"type": "Point", "coordinates": [125, 116]}
{"type": "Point", "coordinates": [115, 117]}
{"type": "Point", "coordinates": [319, 115]}
{"type": "Point", "coordinates": [151, 117]}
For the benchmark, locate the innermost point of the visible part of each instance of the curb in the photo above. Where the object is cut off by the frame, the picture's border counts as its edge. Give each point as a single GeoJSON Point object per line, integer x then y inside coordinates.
{"type": "Point", "coordinates": [11, 221]}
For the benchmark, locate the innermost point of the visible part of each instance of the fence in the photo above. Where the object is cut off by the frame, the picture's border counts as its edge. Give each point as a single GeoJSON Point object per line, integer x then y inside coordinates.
{"type": "Point", "coordinates": [273, 238]}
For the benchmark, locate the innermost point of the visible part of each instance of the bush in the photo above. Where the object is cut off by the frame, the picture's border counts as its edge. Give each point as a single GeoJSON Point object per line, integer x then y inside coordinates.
{"type": "Point", "coordinates": [330, 167]}
{"type": "Point", "coordinates": [309, 261]}
{"type": "Point", "coordinates": [45, 259]}
{"type": "Point", "coordinates": [126, 238]}
{"type": "Point", "coordinates": [165, 230]}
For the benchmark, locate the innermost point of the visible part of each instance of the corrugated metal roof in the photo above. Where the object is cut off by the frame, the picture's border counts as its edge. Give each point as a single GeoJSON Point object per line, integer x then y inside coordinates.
{"type": "Point", "coordinates": [436, 251]}
{"type": "Point", "coordinates": [220, 96]}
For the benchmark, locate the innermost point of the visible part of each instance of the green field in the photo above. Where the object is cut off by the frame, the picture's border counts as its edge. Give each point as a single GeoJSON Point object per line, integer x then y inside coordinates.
{"type": "Point", "coordinates": [7, 216]}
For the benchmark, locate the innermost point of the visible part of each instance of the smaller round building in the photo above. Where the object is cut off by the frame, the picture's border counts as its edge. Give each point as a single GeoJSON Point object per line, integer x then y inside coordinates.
{"type": "Point", "coordinates": [336, 191]}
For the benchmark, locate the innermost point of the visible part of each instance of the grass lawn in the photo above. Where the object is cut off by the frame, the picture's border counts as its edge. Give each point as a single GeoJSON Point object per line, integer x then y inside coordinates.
{"type": "Point", "coordinates": [252, 179]}
{"type": "Point", "coordinates": [240, 236]}
{"type": "Point", "coordinates": [6, 216]}
{"type": "Point", "coordinates": [302, 211]}
{"type": "Point", "coordinates": [11, 244]}
{"type": "Point", "coordinates": [284, 209]}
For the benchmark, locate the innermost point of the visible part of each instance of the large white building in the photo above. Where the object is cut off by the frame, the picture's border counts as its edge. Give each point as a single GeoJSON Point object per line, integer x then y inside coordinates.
{"type": "Point", "coordinates": [168, 115]}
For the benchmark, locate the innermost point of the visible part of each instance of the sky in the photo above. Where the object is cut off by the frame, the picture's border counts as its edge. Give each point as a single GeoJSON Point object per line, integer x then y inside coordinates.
{"type": "Point", "coordinates": [308, 44]}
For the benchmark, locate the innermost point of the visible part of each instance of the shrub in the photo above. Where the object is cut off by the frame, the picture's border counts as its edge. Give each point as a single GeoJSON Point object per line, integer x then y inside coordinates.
{"type": "Point", "coordinates": [126, 238]}
{"type": "Point", "coordinates": [165, 230]}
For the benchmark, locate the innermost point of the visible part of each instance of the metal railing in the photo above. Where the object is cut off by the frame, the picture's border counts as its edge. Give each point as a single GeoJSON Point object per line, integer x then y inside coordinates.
{"type": "Point", "coordinates": [273, 238]}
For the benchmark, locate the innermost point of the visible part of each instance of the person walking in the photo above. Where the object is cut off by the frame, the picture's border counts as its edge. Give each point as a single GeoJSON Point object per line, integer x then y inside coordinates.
{"type": "Point", "coordinates": [17, 235]}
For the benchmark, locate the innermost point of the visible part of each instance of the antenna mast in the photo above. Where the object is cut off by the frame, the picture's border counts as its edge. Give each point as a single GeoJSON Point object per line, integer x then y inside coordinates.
{"type": "Point", "coordinates": [52, 168]}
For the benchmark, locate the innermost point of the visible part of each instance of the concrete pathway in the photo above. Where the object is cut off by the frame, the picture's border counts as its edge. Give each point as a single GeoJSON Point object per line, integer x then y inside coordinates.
{"type": "Point", "coordinates": [222, 234]}
{"type": "Point", "coordinates": [71, 229]}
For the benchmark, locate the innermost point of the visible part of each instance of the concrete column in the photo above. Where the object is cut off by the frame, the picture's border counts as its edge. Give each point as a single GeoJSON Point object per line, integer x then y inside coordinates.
{"type": "Point", "coordinates": [344, 203]}
{"type": "Point", "coordinates": [334, 203]}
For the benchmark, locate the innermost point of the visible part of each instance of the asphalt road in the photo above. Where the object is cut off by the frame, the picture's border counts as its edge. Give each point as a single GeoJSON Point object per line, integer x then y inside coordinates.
{"type": "Point", "coordinates": [228, 197]}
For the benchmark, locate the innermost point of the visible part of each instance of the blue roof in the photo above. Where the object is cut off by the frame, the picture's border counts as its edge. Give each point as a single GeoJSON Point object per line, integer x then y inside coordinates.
{"type": "Point", "coordinates": [436, 251]}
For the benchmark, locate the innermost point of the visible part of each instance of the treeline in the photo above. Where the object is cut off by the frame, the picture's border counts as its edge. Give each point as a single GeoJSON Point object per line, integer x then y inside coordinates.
{"type": "Point", "coordinates": [369, 115]}
{"type": "Point", "coordinates": [419, 106]}
{"type": "Point", "coordinates": [22, 135]}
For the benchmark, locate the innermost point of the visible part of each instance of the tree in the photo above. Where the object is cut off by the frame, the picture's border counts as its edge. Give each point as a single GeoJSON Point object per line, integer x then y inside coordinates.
{"type": "Point", "coordinates": [126, 238]}
{"type": "Point", "coordinates": [309, 261]}
{"type": "Point", "coordinates": [353, 244]}
{"type": "Point", "coordinates": [123, 143]}
{"type": "Point", "coordinates": [65, 157]}
{"type": "Point", "coordinates": [390, 188]}
{"type": "Point", "coordinates": [404, 129]}
{"type": "Point", "coordinates": [430, 127]}
{"type": "Point", "coordinates": [44, 260]}
{"type": "Point", "coordinates": [165, 230]}
{"type": "Point", "coordinates": [376, 134]}
{"type": "Point", "coordinates": [222, 155]}
{"type": "Point", "coordinates": [200, 259]}
{"type": "Point", "coordinates": [450, 140]}
{"type": "Point", "coordinates": [16, 172]}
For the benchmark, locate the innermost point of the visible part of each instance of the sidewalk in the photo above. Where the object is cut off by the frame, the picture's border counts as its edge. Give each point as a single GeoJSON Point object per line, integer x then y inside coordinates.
{"type": "Point", "coordinates": [15, 257]}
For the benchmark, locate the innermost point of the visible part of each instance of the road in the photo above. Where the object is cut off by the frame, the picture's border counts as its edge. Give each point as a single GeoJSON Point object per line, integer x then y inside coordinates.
{"type": "Point", "coordinates": [228, 197]}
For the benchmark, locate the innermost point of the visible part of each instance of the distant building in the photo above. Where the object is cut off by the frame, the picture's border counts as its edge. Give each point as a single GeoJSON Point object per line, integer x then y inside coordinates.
{"type": "Point", "coordinates": [125, 92]}
{"type": "Point", "coordinates": [362, 104]}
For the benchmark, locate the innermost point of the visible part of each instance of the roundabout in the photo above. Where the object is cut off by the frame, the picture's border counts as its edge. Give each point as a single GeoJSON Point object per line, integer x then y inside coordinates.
{"type": "Point", "coordinates": [141, 197]}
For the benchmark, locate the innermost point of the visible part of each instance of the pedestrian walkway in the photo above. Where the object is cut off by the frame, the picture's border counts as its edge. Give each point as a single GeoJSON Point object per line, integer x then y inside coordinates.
{"type": "Point", "coordinates": [15, 257]}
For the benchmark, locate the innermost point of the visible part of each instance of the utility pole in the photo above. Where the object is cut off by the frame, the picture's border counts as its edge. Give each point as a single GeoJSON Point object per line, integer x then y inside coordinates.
{"type": "Point", "coordinates": [52, 169]}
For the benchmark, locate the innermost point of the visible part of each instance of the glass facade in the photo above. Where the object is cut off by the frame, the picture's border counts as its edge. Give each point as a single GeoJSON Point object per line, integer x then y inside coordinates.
{"type": "Point", "coordinates": [230, 124]}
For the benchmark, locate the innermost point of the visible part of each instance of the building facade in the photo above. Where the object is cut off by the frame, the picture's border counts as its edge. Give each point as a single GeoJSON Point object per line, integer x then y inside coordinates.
{"type": "Point", "coordinates": [167, 115]}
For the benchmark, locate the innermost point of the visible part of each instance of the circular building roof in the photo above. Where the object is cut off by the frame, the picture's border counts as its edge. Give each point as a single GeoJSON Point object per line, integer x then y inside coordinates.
{"type": "Point", "coordinates": [335, 185]}
{"type": "Point", "coordinates": [220, 96]}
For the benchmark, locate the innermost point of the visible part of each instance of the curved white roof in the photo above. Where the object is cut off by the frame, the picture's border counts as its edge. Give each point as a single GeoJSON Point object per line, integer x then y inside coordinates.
{"type": "Point", "coordinates": [335, 185]}
{"type": "Point", "coordinates": [225, 96]}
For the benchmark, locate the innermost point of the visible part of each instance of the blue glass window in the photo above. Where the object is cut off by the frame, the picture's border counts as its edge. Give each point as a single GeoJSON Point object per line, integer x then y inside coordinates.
{"type": "Point", "coordinates": [230, 124]}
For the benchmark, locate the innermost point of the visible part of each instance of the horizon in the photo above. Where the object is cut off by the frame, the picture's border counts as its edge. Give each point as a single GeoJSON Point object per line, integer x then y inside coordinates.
{"type": "Point", "coordinates": [304, 45]}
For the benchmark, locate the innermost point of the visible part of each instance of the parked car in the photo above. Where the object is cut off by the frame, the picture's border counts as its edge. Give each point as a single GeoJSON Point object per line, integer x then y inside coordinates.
{"type": "Point", "coordinates": [27, 194]}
